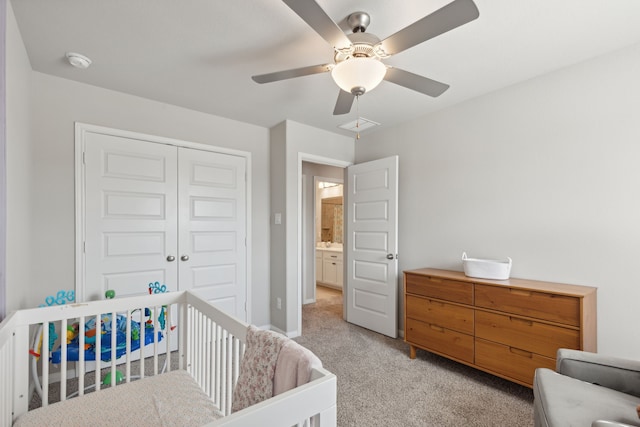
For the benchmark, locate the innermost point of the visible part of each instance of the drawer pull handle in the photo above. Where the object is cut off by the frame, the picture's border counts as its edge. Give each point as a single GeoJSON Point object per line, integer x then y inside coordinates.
{"type": "Point", "coordinates": [437, 328]}
{"type": "Point", "coordinates": [520, 292]}
{"type": "Point", "coordinates": [435, 279]}
{"type": "Point", "coordinates": [519, 320]}
{"type": "Point", "coordinates": [522, 353]}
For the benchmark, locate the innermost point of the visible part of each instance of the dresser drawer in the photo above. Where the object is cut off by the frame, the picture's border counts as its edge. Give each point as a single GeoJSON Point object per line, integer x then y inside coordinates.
{"type": "Point", "coordinates": [541, 305]}
{"type": "Point", "coordinates": [510, 361]}
{"type": "Point", "coordinates": [525, 334]}
{"type": "Point", "coordinates": [439, 313]}
{"type": "Point", "coordinates": [430, 286]}
{"type": "Point", "coordinates": [439, 339]}
{"type": "Point", "coordinates": [332, 256]}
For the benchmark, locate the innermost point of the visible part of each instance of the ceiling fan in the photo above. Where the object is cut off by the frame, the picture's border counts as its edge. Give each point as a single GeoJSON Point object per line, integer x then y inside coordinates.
{"type": "Point", "coordinates": [357, 66]}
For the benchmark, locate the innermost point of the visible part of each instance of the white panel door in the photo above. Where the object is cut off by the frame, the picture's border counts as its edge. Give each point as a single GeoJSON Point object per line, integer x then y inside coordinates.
{"type": "Point", "coordinates": [157, 212]}
{"type": "Point", "coordinates": [212, 217]}
{"type": "Point", "coordinates": [130, 212]}
{"type": "Point", "coordinates": [372, 227]}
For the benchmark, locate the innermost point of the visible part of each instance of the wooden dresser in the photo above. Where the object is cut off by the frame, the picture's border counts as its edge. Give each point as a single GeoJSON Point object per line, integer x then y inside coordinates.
{"type": "Point", "coordinates": [505, 327]}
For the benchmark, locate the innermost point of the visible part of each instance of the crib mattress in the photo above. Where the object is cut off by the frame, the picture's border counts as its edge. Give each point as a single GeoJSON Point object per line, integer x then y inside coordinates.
{"type": "Point", "coordinates": [170, 399]}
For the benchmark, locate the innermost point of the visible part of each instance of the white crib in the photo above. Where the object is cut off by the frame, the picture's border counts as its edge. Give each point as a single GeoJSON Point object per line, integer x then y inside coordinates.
{"type": "Point", "coordinates": [208, 344]}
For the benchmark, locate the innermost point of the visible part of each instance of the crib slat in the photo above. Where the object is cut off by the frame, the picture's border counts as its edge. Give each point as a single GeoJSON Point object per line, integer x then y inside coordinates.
{"type": "Point", "coordinates": [217, 391]}
{"type": "Point", "coordinates": [98, 352]}
{"type": "Point", "coordinates": [81, 361]}
{"type": "Point", "coordinates": [44, 357]}
{"type": "Point", "coordinates": [208, 356]}
{"type": "Point", "coordinates": [63, 362]}
{"type": "Point", "coordinates": [128, 335]}
{"type": "Point", "coordinates": [199, 358]}
{"type": "Point", "coordinates": [168, 318]}
{"type": "Point", "coordinates": [155, 339]}
{"type": "Point", "coordinates": [183, 327]}
{"type": "Point", "coordinates": [114, 335]}
{"type": "Point", "coordinates": [143, 330]}
{"type": "Point", "coordinates": [228, 372]}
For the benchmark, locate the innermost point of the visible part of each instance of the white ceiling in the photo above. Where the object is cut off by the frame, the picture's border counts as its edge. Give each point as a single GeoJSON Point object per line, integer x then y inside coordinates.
{"type": "Point", "coordinates": [201, 54]}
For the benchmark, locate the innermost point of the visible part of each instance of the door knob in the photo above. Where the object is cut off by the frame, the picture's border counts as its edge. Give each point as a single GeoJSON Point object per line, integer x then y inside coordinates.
{"type": "Point", "coordinates": [184, 257]}
{"type": "Point", "coordinates": [390, 256]}
{"type": "Point", "coordinates": [171, 258]}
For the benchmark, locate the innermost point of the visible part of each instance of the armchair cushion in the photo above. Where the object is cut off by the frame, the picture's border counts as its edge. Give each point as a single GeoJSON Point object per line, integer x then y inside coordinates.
{"type": "Point", "coordinates": [560, 400]}
{"type": "Point", "coordinates": [611, 372]}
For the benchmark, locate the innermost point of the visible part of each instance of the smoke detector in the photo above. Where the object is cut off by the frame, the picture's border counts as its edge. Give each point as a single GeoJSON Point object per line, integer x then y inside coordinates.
{"type": "Point", "coordinates": [78, 60]}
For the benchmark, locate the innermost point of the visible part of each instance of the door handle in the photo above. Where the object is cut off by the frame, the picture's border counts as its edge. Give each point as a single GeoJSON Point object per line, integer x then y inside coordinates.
{"type": "Point", "coordinates": [171, 258]}
{"type": "Point", "coordinates": [390, 256]}
{"type": "Point", "coordinates": [184, 258]}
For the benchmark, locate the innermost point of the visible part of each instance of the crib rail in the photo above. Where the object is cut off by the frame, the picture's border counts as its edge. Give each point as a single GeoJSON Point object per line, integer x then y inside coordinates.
{"type": "Point", "coordinates": [200, 338]}
{"type": "Point", "coordinates": [215, 346]}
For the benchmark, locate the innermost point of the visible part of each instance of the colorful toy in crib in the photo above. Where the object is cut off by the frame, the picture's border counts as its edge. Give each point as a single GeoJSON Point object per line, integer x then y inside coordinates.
{"type": "Point", "coordinates": [105, 333]}
{"type": "Point", "coordinates": [156, 288]}
{"type": "Point", "coordinates": [61, 298]}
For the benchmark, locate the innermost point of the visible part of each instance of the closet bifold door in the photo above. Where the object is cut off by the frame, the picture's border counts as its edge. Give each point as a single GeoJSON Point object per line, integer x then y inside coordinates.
{"type": "Point", "coordinates": [130, 214]}
{"type": "Point", "coordinates": [166, 214]}
{"type": "Point", "coordinates": [212, 227]}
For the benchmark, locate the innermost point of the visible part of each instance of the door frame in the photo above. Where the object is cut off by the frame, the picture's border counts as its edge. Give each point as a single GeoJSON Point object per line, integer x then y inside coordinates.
{"type": "Point", "coordinates": [81, 129]}
{"type": "Point", "coordinates": [306, 157]}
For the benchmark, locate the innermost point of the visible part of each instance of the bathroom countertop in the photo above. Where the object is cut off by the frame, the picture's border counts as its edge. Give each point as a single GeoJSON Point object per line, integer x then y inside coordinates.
{"type": "Point", "coordinates": [320, 248]}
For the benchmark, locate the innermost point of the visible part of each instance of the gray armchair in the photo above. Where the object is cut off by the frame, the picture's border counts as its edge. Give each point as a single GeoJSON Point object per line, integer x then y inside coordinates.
{"type": "Point", "coordinates": [587, 389]}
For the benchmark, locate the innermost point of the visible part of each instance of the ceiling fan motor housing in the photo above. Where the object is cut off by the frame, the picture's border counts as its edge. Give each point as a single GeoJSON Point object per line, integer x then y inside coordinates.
{"type": "Point", "coordinates": [359, 21]}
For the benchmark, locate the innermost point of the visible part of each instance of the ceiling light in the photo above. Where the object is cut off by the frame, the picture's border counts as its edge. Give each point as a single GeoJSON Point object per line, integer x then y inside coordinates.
{"type": "Point", "coordinates": [358, 75]}
{"type": "Point", "coordinates": [77, 60]}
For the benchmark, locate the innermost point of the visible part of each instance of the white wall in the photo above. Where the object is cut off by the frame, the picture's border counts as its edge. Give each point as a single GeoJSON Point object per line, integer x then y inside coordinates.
{"type": "Point", "coordinates": [19, 168]}
{"type": "Point", "coordinates": [58, 103]}
{"type": "Point", "coordinates": [299, 143]}
{"type": "Point", "coordinates": [278, 157]}
{"type": "Point", "coordinates": [546, 172]}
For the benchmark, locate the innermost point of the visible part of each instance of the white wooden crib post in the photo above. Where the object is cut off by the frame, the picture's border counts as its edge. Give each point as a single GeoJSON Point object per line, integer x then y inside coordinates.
{"type": "Point", "coordinates": [21, 375]}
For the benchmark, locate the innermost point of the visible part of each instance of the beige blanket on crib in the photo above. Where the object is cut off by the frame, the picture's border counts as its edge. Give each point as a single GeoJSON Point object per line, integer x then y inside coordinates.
{"type": "Point", "coordinates": [272, 364]}
{"type": "Point", "coordinates": [171, 399]}
{"type": "Point", "coordinates": [293, 367]}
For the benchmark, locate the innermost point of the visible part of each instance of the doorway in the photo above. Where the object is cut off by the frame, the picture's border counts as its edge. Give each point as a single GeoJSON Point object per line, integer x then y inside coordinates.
{"type": "Point", "coordinates": [322, 236]}
{"type": "Point", "coordinates": [329, 237]}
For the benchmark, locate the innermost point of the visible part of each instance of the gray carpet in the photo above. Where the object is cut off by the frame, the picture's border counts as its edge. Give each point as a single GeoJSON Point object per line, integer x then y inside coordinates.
{"type": "Point", "coordinates": [378, 385]}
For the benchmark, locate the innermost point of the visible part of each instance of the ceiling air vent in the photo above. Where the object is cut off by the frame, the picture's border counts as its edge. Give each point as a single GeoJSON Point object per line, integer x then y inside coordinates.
{"type": "Point", "coordinates": [359, 125]}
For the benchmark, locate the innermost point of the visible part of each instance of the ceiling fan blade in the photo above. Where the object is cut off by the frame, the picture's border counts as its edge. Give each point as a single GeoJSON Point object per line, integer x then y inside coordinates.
{"type": "Point", "coordinates": [451, 16]}
{"type": "Point", "coordinates": [415, 82]}
{"type": "Point", "coordinates": [318, 19]}
{"type": "Point", "coordinates": [344, 103]}
{"type": "Point", "coordinates": [290, 74]}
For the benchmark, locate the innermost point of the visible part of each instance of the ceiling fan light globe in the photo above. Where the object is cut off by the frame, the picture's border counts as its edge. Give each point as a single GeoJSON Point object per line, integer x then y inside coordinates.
{"type": "Point", "coordinates": [360, 74]}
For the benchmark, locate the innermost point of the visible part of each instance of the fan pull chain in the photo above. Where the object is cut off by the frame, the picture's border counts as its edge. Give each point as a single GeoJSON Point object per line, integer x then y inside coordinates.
{"type": "Point", "coordinates": [357, 117]}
